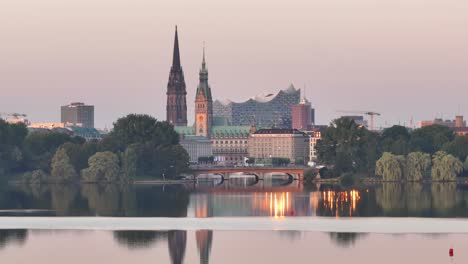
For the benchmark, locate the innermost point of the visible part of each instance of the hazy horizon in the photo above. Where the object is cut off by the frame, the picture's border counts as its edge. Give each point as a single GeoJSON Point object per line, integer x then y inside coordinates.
{"type": "Point", "coordinates": [403, 58]}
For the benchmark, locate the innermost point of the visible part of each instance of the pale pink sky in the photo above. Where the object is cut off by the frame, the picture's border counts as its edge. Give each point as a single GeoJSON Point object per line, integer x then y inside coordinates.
{"type": "Point", "coordinates": [402, 58]}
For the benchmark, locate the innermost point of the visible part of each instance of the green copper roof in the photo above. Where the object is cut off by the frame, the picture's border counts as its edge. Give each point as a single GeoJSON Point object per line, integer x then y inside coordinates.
{"type": "Point", "coordinates": [185, 130]}
{"type": "Point", "coordinates": [218, 131]}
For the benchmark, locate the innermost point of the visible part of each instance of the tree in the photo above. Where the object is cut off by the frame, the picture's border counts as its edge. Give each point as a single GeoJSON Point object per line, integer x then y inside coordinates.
{"type": "Point", "coordinates": [418, 165]}
{"type": "Point", "coordinates": [141, 129]}
{"type": "Point", "coordinates": [103, 167]}
{"type": "Point", "coordinates": [129, 161]}
{"type": "Point", "coordinates": [457, 147]}
{"type": "Point", "coordinates": [80, 153]}
{"type": "Point", "coordinates": [430, 139]}
{"type": "Point", "coordinates": [445, 167]}
{"type": "Point", "coordinates": [395, 140]}
{"type": "Point", "coordinates": [39, 147]}
{"type": "Point", "coordinates": [390, 167]}
{"type": "Point", "coordinates": [348, 147]}
{"type": "Point", "coordinates": [465, 165]}
{"type": "Point", "coordinates": [62, 169]}
{"type": "Point", "coordinates": [11, 142]}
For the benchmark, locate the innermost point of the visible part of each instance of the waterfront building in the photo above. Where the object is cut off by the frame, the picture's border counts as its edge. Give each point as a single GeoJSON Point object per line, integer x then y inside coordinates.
{"type": "Point", "coordinates": [302, 115]}
{"type": "Point", "coordinates": [196, 147]}
{"type": "Point", "coordinates": [78, 114]}
{"type": "Point", "coordinates": [266, 110]}
{"type": "Point", "coordinates": [315, 134]}
{"type": "Point", "coordinates": [176, 107]}
{"type": "Point", "coordinates": [229, 143]}
{"type": "Point", "coordinates": [279, 143]}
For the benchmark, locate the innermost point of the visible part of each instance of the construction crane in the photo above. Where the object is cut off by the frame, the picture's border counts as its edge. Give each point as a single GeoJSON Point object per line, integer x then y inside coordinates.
{"type": "Point", "coordinates": [371, 115]}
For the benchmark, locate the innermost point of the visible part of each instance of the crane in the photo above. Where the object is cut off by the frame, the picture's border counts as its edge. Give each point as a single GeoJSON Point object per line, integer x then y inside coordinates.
{"type": "Point", "coordinates": [371, 115]}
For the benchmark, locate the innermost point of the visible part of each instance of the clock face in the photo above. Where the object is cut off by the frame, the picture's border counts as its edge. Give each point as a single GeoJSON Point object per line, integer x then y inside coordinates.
{"type": "Point", "coordinates": [201, 118]}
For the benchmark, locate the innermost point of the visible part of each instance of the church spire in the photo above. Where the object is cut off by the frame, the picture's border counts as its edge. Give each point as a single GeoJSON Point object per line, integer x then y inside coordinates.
{"type": "Point", "coordinates": [176, 108]}
{"type": "Point", "coordinates": [176, 56]}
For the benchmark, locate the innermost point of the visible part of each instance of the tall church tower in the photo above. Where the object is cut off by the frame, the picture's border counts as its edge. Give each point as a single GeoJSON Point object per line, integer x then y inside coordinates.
{"type": "Point", "coordinates": [203, 104]}
{"type": "Point", "coordinates": [176, 108]}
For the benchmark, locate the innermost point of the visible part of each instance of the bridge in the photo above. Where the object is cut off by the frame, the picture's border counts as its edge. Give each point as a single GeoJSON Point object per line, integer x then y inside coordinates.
{"type": "Point", "coordinates": [295, 173]}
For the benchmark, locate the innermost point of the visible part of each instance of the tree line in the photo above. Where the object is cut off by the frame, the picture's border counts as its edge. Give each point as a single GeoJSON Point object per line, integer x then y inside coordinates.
{"type": "Point", "coordinates": [138, 145]}
{"type": "Point", "coordinates": [395, 153]}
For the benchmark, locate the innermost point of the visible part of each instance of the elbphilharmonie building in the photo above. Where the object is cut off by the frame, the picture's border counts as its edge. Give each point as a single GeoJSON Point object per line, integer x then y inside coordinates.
{"type": "Point", "coordinates": [266, 110]}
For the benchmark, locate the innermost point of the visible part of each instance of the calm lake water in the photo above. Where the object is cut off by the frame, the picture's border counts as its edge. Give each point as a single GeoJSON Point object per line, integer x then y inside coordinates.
{"type": "Point", "coordinates": [274, 199]}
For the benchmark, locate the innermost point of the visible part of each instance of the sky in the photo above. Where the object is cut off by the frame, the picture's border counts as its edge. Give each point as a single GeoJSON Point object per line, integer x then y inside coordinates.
{"type": "Point", "coordinates": [406, 59]}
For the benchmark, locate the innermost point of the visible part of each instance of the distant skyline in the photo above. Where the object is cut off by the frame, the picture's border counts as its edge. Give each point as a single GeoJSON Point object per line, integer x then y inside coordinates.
{"type": "Point", "coordinates": [403, 58]}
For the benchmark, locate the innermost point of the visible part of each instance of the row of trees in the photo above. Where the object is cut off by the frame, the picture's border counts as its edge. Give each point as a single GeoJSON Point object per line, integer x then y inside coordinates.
{"type": "Point", "coordinates": [417, 166]}
{"type": "Point", "coordinates": [138, 145]}
{"type": "Point", "coordinates": [348, 147]}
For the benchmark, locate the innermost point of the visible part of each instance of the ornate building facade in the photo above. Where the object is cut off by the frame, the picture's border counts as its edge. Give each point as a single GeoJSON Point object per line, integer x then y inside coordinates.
{"type": "Point", "coordinates": [176, 107]}
{"type": "Point", "coordinates": [203, 104]}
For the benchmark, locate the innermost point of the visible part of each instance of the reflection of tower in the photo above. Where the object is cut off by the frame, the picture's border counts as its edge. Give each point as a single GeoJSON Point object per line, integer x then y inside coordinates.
{"type": "Point", "coordinates": [204, 208]}
{"type": "Point", "coordinates": [204, 241]}
{"type": "Point", "coordinates": [177, 241]}
{"type": "Point", "coordinates": [203, 104]}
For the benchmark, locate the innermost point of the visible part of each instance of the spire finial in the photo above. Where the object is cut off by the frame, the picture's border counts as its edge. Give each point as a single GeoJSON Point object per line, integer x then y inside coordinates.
{"type": "Point", "coordinates": [176, 56]}
{"type": "Point", "coordinates": [203, 62]}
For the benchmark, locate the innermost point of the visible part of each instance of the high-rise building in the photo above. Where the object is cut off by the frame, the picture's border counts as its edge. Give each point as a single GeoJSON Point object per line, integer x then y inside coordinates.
{"type": "Point", "coordinates": [266, 110]}
{"type": "Point", "coordinates": [302, 115]}
{"type": "Point", "coordinates": [78, 114]}
{"type": "Point", "coordinates": [176, 108]}
{"type": "Point", "coordinates": [203, 104]}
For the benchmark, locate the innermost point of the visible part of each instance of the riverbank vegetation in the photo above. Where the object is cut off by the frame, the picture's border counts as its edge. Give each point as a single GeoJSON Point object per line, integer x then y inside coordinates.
{"type": "Point", "coordinates": [429, 153]}
{"type": "Point", "coordinates": [138, 145]}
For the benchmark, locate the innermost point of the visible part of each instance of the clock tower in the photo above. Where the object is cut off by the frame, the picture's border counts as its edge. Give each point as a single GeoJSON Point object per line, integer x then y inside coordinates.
{"type": "Point", "coordinates": [203, 104]}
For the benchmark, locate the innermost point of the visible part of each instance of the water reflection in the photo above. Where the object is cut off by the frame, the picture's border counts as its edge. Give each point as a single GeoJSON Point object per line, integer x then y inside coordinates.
{"type": "Point", "coordinates": [14, 236]}
{"type": "Point", "coordinates": [345, 239]}
{"type": "Point", "coordinates": [139, 239]}
{"type": "Point", "coordinates": [392, 199]}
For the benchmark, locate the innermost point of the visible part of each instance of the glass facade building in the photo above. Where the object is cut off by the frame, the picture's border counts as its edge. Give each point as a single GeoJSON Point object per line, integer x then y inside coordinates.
{"type": "Point", "coordinates": [264, 110]}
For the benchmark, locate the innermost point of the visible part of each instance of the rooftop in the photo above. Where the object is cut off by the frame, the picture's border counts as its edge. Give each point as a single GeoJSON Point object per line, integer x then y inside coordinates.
{"type": "Point", "coordinates": [278, 131]}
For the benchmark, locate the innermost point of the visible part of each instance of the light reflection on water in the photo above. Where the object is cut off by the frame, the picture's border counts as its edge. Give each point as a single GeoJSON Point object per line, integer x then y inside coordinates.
{"type": "Point", "coordinates": [410, 200]}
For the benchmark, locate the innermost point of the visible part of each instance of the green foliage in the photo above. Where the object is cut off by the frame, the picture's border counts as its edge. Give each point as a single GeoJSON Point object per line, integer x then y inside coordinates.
{"type": "Point", "coordinates": [395, 140]}
{"type": "Point", "coordinates": [390, 167]}
{"type": "Point", "coordinates": [348, 147]}
{"type": "Point", "coordinates": [430, 139]}
{"type": "Point", "coordinates": [445, 167]}
{"type": "Point", "coordinates": [458, 147]}
{"type": "Point", "coordinates": [80, 153]}
{"type": "Point", "coordinates": [142, 129]}
{"type": "Point", "coordinates": [129, 161]}
{"type": "Point", "coordinates": [11, 141]}
{"type": "Point", "coordinates": [41, 146]}
{"type": "Point", "coordinates": [103, 167]}
{"type": "Point", "coordinates": [418, 166]}
{"type": "Point", "coordinates": [465, 165]}
{"type": "Point", "coordinates": [62, 169]}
